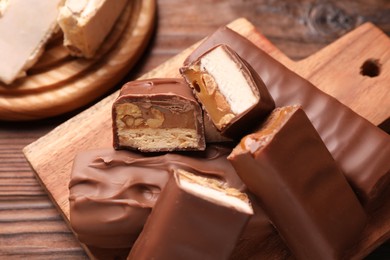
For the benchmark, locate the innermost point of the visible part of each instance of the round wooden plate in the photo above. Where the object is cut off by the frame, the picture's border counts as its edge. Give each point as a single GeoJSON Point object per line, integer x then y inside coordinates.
{"type": "Point", "coordinates": [59, 83]}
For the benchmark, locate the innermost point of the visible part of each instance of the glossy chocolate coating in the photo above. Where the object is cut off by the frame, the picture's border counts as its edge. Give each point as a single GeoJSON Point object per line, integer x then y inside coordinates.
{"type": "Point", "coordinates": [361, 149]}
{"type": "Point", "coordinates": [112, 192]}
{"type": "Point", "coordinates": [245, 122]}
{"type": "Point", "coordinates": [171, 99]}
{"type": "Point", "coordinates": [184, 225]}
{"type": "Point", "coordinates": [300, 186]}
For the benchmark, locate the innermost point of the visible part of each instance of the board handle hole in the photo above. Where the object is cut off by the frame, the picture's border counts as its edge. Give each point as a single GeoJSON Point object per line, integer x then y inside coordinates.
{"type": "Point", "coordinates": [371, 68]}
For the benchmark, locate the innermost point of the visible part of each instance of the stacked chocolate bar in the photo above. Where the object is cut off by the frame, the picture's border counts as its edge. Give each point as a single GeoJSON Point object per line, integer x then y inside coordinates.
{"type": "Point", "coordinates": [297, 170]}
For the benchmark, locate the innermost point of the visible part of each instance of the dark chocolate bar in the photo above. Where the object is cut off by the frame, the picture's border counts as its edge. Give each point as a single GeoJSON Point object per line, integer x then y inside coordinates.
{"type": "Point", "coordinates": [301, 188]}
{"type": "Point", "coordinates": [360, 148]}
{"type": "Point", "coordinates": [194, 218]}
{"type": "Point", "coordinates": [157, 115]}
{"type": "Point", "coordinates": [231, 92]}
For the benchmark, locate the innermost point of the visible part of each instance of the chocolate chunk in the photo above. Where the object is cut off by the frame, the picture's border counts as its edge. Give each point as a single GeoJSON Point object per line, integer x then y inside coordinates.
{"type": "Point", "coordinates": [194, 218]}
{"type": "Point", "coordinates": [157, 115]}
{"type": "Point", "coordinates": [301, 188]}
{"type": "Point", "coordinates": [360, 148]}
{"type": "Point", "coordinates": [233, 95]}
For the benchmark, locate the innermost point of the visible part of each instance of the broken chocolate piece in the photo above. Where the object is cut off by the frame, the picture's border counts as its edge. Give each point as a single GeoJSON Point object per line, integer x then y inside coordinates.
{"type": "Point", "coordinates": [157, 115]}
{"type": "Point", "coordinates": [194, 218]}
{"type": "Point", "coordinates": [230, 91]}
{"type": "Point", "coordinates": [361, 149]}
{"type": "Point", "coordinates": [301, 188]}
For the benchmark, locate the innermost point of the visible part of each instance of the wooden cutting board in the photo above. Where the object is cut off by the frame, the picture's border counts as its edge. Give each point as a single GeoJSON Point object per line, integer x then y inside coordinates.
{"type": "Point", "coordinates": [335, 69]}
{"type": "Point", "coordinates": [59, 83]}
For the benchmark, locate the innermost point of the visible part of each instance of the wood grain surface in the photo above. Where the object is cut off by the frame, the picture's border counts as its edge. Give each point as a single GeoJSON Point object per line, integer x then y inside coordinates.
{"type": "Point", "coordinates": [30, 226]}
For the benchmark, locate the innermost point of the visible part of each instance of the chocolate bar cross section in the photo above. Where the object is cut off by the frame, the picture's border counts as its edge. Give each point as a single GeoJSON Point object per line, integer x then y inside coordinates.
{"type": "Point", "coordinates": [231, 92]}
{"type": "Point", "coordinates": [300, 187]}
{"type": "Point", "coordinates": [157, 115]}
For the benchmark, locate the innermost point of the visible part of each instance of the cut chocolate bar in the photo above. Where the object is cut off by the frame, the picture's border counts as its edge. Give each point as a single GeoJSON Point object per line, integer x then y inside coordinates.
{"type": "Point", "coordinates": [301, 188]}
{"type": "Point", "coordinates": [194, 218]}
{"type": "Point", "coordinates": [112, 192]}
{"type": "Point", "coordinates": [230, 91]}
{"type": "Point", "coordinates": [361, 149]}
{"type": "Point", "coordinates": [157, 115]}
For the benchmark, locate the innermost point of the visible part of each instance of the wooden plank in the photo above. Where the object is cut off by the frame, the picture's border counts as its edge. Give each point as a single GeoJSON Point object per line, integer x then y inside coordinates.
{"type": "Point", "coordinates": [51, 156]}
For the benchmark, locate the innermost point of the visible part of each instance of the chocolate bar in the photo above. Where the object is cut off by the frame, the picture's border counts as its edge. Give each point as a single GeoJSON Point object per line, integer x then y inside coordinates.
{"type": "Point", "coordinates": [112, 192]}
{"type": "Point", "coordinates": [194, 218]}
{"type": "Point", "coordinates": [231, 93]}
{"type": "Point", "coordinates": [301, 188]}
{"type": "Point", "coordinates": [156, 115]}
{"type": "Point", "coordinates": [360, 148]}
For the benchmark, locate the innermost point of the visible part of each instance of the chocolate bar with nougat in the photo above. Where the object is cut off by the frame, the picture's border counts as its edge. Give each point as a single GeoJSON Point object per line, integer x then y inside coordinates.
{"type": "Point", "coordinates": [360, 148]}
{"type": "Point", "coordinates": [231, 92]}
{"type": "Point", "coordinates": [299, 185]}
{"type": "Point", "coordinates": [194, 218]}
{"type": "Point", "coordinates": [157, 115]}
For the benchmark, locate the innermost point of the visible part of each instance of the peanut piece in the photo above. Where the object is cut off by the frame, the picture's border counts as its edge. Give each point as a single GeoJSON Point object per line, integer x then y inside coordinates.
{"type": "Point", "coordinates": [128, 120]}
{"type": "Point", "coordinates": [209, 83]}
{"type": "Point", "coordinates": [138, 121]}
{"type": "Point", "coordinates": [157, 120]}
{"type": "Point", "coordinates": [225, 119]}
{"type": "Point", "coordinates": [128, 109]}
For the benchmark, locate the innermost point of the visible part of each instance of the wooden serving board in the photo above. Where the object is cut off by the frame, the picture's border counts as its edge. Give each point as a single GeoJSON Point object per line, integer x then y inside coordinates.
{"type": "Point", "coordinates": [335, 69]}
{"type": "Point", "coordinates": [59, 83]}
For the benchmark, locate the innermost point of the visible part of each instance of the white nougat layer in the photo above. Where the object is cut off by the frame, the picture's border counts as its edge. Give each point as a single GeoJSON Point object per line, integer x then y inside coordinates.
{"type": "Point", "coordinates": [230, 80]}
{"type": "Point", "coordinates": [86, 23]}
{"type": "Point", "coordinates": [216, 196]}
{"type": "Point", "coordinates": [25, 27]}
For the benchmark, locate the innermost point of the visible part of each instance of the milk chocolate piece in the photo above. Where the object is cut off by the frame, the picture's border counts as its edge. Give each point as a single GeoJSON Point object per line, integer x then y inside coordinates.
{"type": "Point", "coordinates": [233, 95]}
{"type": "Point", "coordinates": [360, 148]}
{"type": "Point", "coordinates": [194, 218]}
{"type": "Point", "coordinates": [112, 192]}
{"type": "Point", "coordinates": [301, 188]}
{"type": "Point", "coordinates": [157, 115]}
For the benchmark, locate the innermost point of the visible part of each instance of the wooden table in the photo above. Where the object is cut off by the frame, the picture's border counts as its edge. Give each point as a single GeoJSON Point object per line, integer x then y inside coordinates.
{"type": "Point", "coordinates": [31, 227]}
